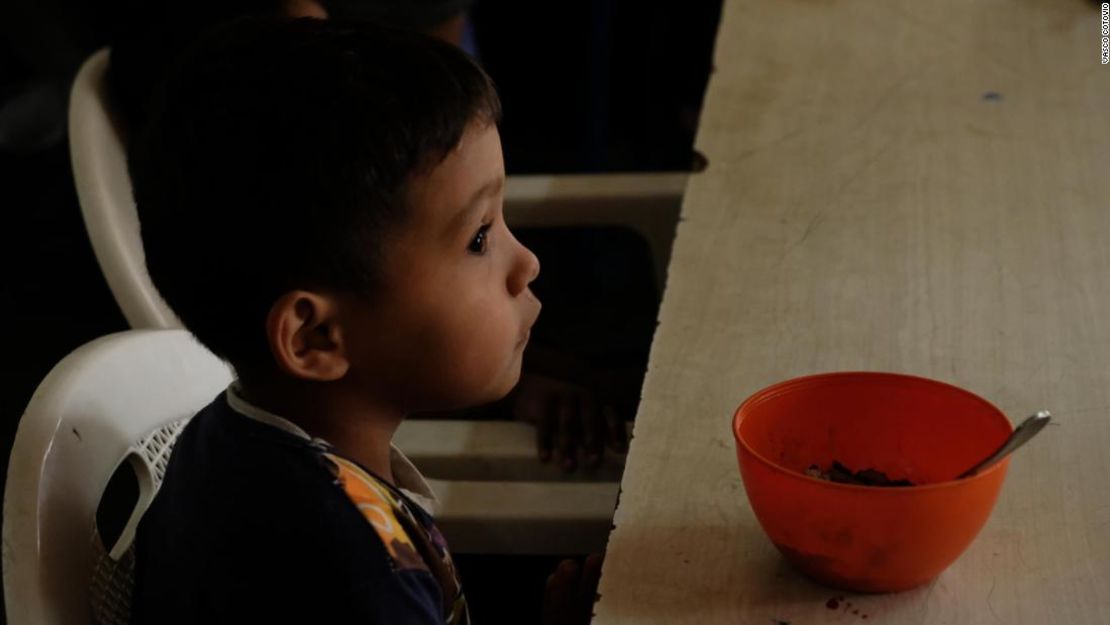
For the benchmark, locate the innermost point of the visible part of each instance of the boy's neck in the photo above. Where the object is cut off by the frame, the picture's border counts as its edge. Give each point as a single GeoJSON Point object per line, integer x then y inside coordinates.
{"type": "Point", "coordinates": [358, 430]}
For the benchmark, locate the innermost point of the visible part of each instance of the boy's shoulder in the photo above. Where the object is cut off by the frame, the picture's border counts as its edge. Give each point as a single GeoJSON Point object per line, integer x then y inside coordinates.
{"type": "Point", "coordinates": [245, 485]}
{"type": "Point", "coordinates": [222, 455]}
{"type": "Point", "coordinates": [251, 519]}
{"type": "Point", "coordinates": [239, 476]}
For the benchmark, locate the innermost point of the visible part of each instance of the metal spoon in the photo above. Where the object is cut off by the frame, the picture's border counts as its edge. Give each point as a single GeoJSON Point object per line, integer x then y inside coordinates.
{"type": "Point", "coordinates": [1027, 430]}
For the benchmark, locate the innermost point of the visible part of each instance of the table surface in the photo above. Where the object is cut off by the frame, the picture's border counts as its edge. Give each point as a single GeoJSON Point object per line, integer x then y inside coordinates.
{"type": "Point", "coordinates": [919, 187]}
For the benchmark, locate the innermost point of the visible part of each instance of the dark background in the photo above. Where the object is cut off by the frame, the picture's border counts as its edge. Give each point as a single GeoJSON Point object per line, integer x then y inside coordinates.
{"type": "Point", "coordinates": [587, 86]}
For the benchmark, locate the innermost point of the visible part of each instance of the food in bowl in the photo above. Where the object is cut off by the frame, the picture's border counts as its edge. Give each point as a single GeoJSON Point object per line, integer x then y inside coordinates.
{"type": "Point", "coordinates": [843, 475]}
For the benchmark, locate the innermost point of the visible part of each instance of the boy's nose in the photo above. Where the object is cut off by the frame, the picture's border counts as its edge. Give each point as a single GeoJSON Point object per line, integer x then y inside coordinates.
{"type": "Point", "coordinates": [533, 265]}
{"type": "Point", "coordinates": [526, 269]}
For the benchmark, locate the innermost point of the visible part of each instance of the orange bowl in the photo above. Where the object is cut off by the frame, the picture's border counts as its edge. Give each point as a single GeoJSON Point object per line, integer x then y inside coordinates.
{"type": "Point", "coordinates": [869, 538]}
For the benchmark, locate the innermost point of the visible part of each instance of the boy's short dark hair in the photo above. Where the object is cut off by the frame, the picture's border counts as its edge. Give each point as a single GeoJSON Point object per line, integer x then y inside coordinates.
{"type": "Point", "coordinates": [155, 32]}
{"type": "Point", "coordinates": [277, 158]}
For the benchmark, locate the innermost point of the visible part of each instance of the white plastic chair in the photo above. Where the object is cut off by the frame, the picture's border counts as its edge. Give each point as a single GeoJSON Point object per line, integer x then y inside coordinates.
{"type": "Point", "coordinates": [123, 399]}
{"type": "Point", "coordinates": [104, 192]}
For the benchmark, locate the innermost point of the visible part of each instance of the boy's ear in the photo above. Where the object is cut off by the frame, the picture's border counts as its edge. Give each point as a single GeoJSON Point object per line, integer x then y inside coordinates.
{"type": "Point", "coordinates": [306, 338]}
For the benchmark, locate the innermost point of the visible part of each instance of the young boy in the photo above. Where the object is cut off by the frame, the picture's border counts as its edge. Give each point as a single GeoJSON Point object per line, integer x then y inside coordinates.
{"type": "Point", "coordinates": [321, 205]}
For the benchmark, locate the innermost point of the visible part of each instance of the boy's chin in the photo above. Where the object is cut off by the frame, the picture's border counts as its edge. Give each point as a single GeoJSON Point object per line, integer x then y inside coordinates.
{"type": "Point", "coordinates": [494, 391]}
{"type": "Point", "coordinates": [506, 386]}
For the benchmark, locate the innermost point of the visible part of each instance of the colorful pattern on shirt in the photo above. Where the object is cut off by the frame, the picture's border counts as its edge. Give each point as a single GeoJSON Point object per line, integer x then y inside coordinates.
{"type": "Point", "coordinates": [411, 539]}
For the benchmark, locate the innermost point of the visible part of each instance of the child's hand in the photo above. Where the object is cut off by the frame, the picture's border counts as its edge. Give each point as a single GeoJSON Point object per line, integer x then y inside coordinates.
{"type": "Point", "coordinates": [568, 417]}
{"type": "Point", "coordinates": [571, 592]}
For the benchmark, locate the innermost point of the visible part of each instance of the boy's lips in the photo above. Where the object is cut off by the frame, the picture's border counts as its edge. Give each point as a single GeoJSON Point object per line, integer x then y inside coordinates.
{"type": "Point", "coordinates": [524, 336]}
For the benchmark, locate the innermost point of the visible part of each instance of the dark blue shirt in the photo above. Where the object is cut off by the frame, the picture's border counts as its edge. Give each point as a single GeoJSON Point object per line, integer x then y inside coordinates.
{"type": "Point", "coordinates": [255, 524]}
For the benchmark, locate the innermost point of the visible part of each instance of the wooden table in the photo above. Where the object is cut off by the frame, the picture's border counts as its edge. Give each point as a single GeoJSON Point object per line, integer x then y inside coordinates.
{"type": "Point", "coordinates": [920, 187]}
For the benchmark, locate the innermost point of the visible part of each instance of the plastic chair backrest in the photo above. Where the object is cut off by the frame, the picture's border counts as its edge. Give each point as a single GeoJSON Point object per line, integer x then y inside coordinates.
{"type": "Point", "coordinates": [104, 192]}
{"type": "Point", "coordinates": [120, 399]}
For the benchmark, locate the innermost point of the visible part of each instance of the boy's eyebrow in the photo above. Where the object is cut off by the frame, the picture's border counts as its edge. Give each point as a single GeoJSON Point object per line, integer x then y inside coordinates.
{"type": "Point", "coordinates": [490, 188]}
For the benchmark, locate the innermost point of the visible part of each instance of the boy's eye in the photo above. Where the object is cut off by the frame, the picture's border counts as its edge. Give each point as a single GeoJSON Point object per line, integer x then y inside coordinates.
{"type": "Point", "coordinates": [480, 241]}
